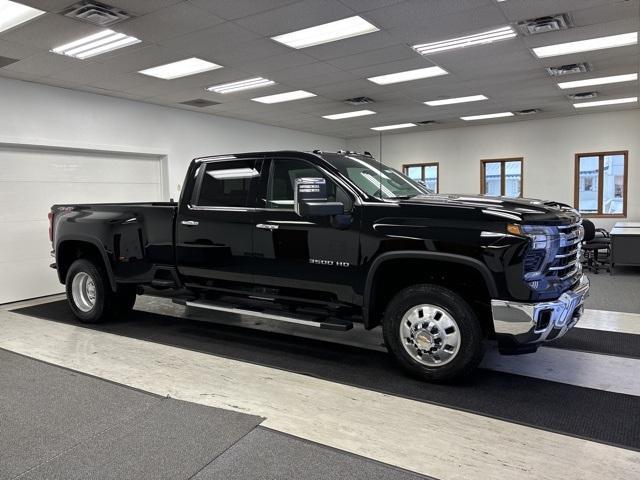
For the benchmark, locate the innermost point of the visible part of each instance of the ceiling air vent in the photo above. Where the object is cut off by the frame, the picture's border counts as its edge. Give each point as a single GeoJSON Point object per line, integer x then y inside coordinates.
{"type": "Point", "coordinates": [96, 13]}
{"type": "Point", "coordinates": [357, 101]}
{"type": "Point", "coordinates": [582, 95]}
{"type": "Point", "coordinates": [568, 69]}
{"type": "Point", "coordinates": [528, 111]}
{"type": "Point", "coordinates": [200, 103]}
{"type": "Point", "coordinates": [4, 61]}
{"type": "Point", "coordinates": [551, 23]}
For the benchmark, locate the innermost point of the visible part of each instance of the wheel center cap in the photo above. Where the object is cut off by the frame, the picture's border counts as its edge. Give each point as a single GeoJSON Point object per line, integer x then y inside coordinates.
{"type": "Point", "coordinates": [423, 340]}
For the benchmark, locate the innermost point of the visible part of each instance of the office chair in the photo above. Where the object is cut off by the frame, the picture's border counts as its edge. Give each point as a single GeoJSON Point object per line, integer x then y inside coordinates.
{"type": "Point", "coordinates": [596, 247]}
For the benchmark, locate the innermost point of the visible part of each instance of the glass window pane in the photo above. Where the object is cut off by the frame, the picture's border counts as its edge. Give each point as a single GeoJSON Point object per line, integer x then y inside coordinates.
{"type": "Point", "coordinates": [431, 178]}
{"type": "Point", "coordinates": [492, 178]}
{"type": "Point", "coordinates": [513, 179]}
{"type": "Point", "coordinates": [588, 172]}
{"type": "Point", "coordinates": [282, 182]}
{"type": "Point", "coordinates": [613, 184]}
{"type": "Point", "coordinates": [414, 173]}
{"type": "Point", "coordinates": [228, 183]}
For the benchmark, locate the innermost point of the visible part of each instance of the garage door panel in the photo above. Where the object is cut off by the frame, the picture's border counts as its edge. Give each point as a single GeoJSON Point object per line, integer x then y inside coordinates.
{"type": "Point", "coordinates": [31, 180]}
{"type": "Point", "coordinates": [35, 198]}
{"type": "Point", "coordinates": [21, 285]}
{"type": "Point", "coordinates": [69, 166]}
{"type": "Point", "coordinates": [24, 241]}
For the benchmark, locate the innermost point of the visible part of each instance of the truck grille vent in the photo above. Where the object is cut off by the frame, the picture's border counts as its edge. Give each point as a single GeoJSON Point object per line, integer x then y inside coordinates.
{"type": "Point", "coordinates": [96, 13]}
{"type": "Point", "coordinates": [567, 260]}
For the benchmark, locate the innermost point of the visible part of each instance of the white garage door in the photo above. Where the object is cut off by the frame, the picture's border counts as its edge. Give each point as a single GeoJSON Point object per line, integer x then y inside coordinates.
{"type": "Point", "coordinates": [33, 179]}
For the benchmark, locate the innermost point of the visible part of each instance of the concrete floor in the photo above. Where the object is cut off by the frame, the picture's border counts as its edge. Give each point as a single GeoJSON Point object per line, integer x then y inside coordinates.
{"type": "Point", "coordinates": [426, 438]}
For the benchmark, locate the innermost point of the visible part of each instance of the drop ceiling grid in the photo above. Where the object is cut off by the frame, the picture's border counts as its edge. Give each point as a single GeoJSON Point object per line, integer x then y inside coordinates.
{"type": "Point", "coordinates": [235, 33]}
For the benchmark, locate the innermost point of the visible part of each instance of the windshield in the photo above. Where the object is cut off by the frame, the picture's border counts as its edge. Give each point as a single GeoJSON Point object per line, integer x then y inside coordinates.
{"type": "Point", "coordinates": [377, 179]}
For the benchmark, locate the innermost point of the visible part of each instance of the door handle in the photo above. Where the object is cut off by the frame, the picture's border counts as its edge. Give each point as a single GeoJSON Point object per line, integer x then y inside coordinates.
{"type": "Point", "coordinates": [189, 223]}
{"type": "Point", "coordinates": [267, 226]}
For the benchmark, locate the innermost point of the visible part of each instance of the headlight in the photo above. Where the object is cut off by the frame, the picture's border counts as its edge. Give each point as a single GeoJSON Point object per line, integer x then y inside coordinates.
{"type": "Point", "coordinates": [545, 242]}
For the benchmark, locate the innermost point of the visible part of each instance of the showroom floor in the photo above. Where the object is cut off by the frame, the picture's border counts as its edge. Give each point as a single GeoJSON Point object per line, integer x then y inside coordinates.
{"type": "Point", "coordinates": [293, 403]}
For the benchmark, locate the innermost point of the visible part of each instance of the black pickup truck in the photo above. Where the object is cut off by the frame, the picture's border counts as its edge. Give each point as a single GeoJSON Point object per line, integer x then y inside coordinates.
{"type": "Point", "coordinates": [328, 239]}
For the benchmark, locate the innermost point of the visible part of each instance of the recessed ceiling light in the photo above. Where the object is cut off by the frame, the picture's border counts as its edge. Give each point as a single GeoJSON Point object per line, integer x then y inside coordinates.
{"type": "Point", "coordinates": [488, 115]}
{"type": "Point", "coordinates": [599, 43]}
{"type": "Point", "coordinates": [491, 36]}
{"type": "Point", "coordinates": [357, 113]}
{"type": "Point", "coordinates": [181, 68]}
{"type": "Point", "coordinates": [630, 77]}
{"type": "Point", "coordinates": [450, 101]}
{"type": "Point", "coordinates": [12, 14]}
{"type": "Point", "coordinates": [96, 44]}
{"type": "Point", "coordinates": [284, 97]}
{"type": "Point", "coordinates": [327, 32]}
{"type": "Point", "coordinates": [247, 84]}
{"type": "Point", "coordinates": [393, 127]}
{"type": "Point", "coordinates": [408, 75]}
{"type": "Point", "coordinates": [600, 103]}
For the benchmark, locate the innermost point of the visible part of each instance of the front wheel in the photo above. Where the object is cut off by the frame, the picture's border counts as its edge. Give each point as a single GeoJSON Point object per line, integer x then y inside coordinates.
{"type": "Point", "coordinates": [433, 333]}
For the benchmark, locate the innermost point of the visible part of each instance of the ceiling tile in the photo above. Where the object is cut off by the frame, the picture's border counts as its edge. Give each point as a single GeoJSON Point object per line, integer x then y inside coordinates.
{"type": "Point", "coordinates": [232, 9]}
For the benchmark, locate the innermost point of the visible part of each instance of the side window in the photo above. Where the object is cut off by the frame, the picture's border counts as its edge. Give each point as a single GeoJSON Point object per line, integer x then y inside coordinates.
{"type": "Point", "coordinates": [227, 184]}
{"type": "Point", "coordinates": [282, 182]}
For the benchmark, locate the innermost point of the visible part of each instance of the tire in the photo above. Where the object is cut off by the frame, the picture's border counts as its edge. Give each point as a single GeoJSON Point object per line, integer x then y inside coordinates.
{"type": "Point", "coordinates": [88, 292]}
{"type": "Point", "coordinates": [90, 296]}
{"type": "Point", "coordinates": [125, 299]}
{"type": "Point", "coordinates": [433, 333]}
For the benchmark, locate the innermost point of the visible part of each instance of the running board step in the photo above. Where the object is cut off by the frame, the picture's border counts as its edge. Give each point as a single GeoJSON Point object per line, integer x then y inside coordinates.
{"type": "Point", "coordinates": [325, 323]}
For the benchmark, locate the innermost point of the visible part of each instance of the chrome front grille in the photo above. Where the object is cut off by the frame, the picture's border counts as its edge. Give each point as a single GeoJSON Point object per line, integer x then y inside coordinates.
{"type": "Point", "coordinates": [566, 263]}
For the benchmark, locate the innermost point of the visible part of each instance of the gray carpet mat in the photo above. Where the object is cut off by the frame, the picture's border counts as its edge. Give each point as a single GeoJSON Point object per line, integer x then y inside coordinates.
{"type": "Point", "coordinates": [268, 455]}
{"type": "Point", "coordinates": [60, 424]}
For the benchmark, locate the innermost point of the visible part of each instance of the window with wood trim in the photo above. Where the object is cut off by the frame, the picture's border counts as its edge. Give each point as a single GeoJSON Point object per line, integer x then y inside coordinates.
{"type": "Point", "coordinates": [501, 177]}
{"type": "Point", "coordinates": [600, 184]}
{"type": "Point", "coordinates": [425, 173]}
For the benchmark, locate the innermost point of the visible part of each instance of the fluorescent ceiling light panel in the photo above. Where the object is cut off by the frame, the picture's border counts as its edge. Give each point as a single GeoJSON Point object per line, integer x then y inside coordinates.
{"type": "Point", "coordinates": [408, 75]}
{"type": "Point", "coordinates": [599, 43]}
{"type": "Point", "coordinates": [181, 68]}
{"type": "Point", "coordinates": [484, 38]}
{"type": "Point", "coordinates": [247, 84]}
{"type": "Point", "coordinates": [600, 103]}
{"type": "Point", "coordinates": [96, 44]}
{"type": "Point", "coordinates": [284, 97]}
{"type": "Point", "coordinates": [357, 113]}
{"type": "Point", "coordinates": [393, 127]}
{"type": "Point", "coordinates": [13, 14]}
{"type": "Point", "coordinates": [327, 32]}
{"type": "Point", "coordinates": [450, 101]}
{"type": "Point", "coordinates": [588, 82]}
{"type": "Point", "coordinates": [486, 116]}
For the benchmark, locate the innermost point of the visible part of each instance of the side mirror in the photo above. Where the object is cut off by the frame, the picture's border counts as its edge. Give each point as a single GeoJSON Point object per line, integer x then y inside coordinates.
{"type": "Point", "coordinates": [310, 199]}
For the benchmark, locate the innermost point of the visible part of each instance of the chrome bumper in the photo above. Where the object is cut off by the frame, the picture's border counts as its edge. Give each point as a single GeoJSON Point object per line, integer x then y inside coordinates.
{"type": "Point", "coordinates": [520, 327]}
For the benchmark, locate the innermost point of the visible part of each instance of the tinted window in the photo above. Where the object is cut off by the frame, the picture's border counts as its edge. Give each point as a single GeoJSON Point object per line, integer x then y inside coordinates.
{"type": "Point", "coordinates": [228, 184]}
{"type": "Point", "coordinates": [282, 182]}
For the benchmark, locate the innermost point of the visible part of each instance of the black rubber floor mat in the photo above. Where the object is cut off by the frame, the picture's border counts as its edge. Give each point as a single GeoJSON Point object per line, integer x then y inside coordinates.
{"type": "Point", "coordinates": [598, 341]}
{"type": "Point", "coordinates": [588, 413]}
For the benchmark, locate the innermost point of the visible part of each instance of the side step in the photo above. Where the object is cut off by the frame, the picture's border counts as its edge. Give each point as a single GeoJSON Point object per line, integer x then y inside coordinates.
{"type": "Point", "coordinates": [307, 320]}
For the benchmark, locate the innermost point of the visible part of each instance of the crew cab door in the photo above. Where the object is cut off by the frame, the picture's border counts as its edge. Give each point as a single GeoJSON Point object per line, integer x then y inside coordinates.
{"type": "Point", "coordinates": [215, 226]}
{"type": "Point", "coordinates": [311, 257]}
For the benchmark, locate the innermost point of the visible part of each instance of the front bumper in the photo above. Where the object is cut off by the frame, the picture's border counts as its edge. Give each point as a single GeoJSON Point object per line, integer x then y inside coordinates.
{"type": "Point", "coordinates": [521, 327]}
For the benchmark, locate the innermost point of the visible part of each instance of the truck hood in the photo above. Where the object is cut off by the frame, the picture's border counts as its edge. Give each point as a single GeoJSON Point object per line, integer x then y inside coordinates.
{"type": "Point", "coordinates": [507, 208]}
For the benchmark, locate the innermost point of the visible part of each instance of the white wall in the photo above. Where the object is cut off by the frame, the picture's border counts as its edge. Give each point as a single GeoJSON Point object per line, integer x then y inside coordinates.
{"type": "Point", "coordinates": [31, 113]}
{"type": "Point", "coordinates": [548, 148]}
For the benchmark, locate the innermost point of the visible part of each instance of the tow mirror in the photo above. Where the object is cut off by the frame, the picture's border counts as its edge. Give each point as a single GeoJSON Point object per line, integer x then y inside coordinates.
{"type": "Point", "coordinates": [310, 199]}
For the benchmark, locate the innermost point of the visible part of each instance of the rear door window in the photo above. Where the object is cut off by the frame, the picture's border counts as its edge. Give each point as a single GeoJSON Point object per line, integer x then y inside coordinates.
{"type": "Point", "coordinates": [227, 183]}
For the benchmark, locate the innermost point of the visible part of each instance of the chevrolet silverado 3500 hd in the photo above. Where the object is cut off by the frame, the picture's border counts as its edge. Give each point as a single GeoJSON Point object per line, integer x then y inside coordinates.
{"type": "Point", "coordinates": [328, 239]}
